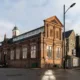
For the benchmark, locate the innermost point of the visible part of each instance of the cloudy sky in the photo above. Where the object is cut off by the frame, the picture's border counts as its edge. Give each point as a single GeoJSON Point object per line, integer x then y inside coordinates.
{"type": "Point", "coordinates": [29, 14]}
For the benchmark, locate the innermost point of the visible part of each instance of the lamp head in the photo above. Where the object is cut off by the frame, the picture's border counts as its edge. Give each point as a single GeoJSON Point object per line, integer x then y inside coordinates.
{"type": "Point", "coordinates": [72, 4]}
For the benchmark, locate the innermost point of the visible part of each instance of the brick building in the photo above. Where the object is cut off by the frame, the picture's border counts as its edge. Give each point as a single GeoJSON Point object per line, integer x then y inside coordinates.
{"type": "Point", "coordinates": [41, 47]}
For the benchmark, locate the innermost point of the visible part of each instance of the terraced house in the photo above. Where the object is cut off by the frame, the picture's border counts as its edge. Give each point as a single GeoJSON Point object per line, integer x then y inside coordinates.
{"type": "Point", "coordinates": [72, 59]}
{"type": "Point", "coordinates": [41, 47]}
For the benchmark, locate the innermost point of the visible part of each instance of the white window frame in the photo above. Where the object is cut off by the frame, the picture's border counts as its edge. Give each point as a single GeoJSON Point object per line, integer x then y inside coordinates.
{"type": "Point", "coordinates": [33, 51]}
{"type": "Point", "coordinates": [49, 49]}
{"type": "Point", "coordinates": [58, 53]}
{"type": "Point", "coordinates": [17, 53]}
{"type": "Point", "coordinates": [24, 51]}
{"type": "Point", "coordinates": [12, 54]}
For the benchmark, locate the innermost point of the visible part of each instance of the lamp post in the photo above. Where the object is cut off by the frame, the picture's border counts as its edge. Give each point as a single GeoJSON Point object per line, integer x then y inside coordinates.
{"type": "Point", "coordinates": [65, 54]}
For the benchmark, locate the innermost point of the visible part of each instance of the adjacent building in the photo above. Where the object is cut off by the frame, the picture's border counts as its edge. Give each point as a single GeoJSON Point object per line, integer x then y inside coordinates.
{"type": "Point", "coordinates": [78, 46]}
{"type": "Point", "coordinates": [70, 42]}
{"type": "Point", "coordinates": [41, 47]}
{"type": "Point", "coordinates": [70, 49]}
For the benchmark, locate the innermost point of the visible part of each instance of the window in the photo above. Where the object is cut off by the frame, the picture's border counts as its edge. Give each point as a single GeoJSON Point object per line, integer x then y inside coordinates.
{"type": "Point", "coordinates": [24, 50]}
{"type": "Point", "coordinates": [74, 52]}
{"type": "Point", "coordinates": [17, 53]}
{"type": "Point", "coordinates": [49, 51]}
{"type": "Point", "coordinates": [33, 51]}
{"type": "Point", "coordinates": [67, 44]}
{"type": "Point", "coordinates": [12, 55]}
{"type": "Point", "coordinates": [58, 55]}
{"type": "Point", "coordinates": [51, 33]}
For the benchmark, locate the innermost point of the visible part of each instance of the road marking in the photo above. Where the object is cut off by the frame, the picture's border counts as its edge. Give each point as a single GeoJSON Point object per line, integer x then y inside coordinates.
{"type": "Point", "coordinates": [48, 75]}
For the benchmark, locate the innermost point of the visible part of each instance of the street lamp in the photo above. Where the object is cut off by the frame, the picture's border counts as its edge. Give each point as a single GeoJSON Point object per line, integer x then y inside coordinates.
{"type": "Point", "coordinates": [65, 54]}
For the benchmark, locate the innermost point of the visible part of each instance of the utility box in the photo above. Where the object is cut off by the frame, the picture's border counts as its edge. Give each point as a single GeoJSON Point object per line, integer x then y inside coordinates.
{"type": "Point", "coordinates": [75, 62]}
{"type": "Point", "coordinates": [72, 62]}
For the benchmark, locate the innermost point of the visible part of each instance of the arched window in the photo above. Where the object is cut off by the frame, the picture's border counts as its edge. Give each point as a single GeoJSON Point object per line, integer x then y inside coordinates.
{"type": "Point", "coordinates": [49, 51]}
{"type": "Point", "coordinates": [58, 52]}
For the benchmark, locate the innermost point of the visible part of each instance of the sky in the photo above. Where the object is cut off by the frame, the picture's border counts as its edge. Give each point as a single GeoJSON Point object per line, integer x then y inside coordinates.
{"type": "Point", "coordinates": [29, 14]}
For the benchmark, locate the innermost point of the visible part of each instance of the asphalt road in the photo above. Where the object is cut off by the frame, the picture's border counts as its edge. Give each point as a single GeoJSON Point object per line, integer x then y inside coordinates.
{"type": "Point", "coordinates": [39, 74]}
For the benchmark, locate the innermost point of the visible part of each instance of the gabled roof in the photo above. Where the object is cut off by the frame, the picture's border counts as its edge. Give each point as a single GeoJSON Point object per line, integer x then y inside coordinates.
{"type": "Point", "coordinates": [67, 33]}
{"type": "Point", "coordinates": [53, 18]}
{"type": "Point", "coordinates": [34, 31]}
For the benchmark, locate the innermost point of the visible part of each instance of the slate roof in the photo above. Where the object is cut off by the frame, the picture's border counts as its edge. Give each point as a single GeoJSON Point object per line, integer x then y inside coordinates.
{"type": "Point", "coordinates": [29, 34]}
{"type": "Point", "coordinates": [31, 31]}
{"type": "Point", "coordinates": [10, 40]}
{"type": "Point", "coordinates": [67, 33]}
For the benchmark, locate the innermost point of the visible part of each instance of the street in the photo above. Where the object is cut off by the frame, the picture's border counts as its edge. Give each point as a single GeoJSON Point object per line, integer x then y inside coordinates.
{"type": "Point", "coordinates": [39, 74]}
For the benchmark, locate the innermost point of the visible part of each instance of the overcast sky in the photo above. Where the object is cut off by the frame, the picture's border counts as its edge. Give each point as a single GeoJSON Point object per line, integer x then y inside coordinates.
{"type": "Point", "coordinates": [29, 14]}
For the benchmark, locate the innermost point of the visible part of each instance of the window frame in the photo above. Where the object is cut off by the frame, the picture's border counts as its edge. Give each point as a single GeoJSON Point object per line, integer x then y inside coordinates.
{"type": "Point", "coordinates": [24, 52]}
{"type": "Point", "coordinates": [33, 51]}
{"type": "Point", "coordinates": [11, 54]}
{"type": "Point", "coordinates": [49, 52]}
{"type": "Point", "coordinates": [58, 53]}
{"type": "Point", "coordinates": [18, 53]}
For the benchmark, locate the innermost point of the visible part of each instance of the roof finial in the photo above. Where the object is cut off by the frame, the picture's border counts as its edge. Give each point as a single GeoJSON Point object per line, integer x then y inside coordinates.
{"type": "Point", "coordinates": [15, 28]}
